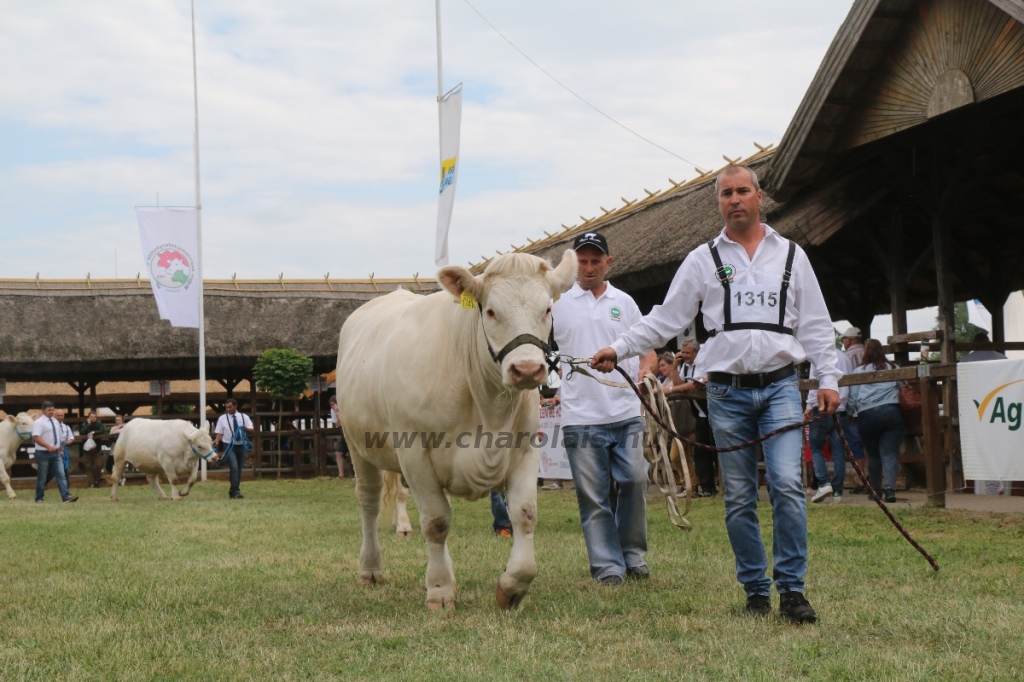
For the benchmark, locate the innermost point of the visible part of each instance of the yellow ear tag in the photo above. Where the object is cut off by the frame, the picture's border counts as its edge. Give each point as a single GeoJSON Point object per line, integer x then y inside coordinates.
{"type": "Point", "coordinates": [555, 299]}
{"type": "Point", "coordinates": [466, 300]}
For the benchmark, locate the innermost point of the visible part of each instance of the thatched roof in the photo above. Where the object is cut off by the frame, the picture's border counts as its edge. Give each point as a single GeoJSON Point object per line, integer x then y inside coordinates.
{"type": "Point", "coordinates": [111, 330]}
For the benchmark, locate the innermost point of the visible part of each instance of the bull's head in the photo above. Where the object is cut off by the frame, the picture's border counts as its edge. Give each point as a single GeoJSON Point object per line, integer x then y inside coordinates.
{"type": "Point", "coordinates": [513, 301]}
{"type": "Point", "coordinates": [202, 444]}
{"type": "Point", "coordinates": [22, 426]}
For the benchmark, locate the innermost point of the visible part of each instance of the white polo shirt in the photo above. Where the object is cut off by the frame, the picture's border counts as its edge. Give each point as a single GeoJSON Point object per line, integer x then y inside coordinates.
{"type": "Point", "coordinates": [224, 425]}
{"type": "Point", "coordinates": [584, 325]}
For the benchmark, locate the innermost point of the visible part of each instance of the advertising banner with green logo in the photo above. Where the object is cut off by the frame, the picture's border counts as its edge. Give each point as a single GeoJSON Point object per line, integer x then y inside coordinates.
{"type": "Point", "coordinates": [991, 420]}
{"type": "Point", "coordinates": [170, 252]}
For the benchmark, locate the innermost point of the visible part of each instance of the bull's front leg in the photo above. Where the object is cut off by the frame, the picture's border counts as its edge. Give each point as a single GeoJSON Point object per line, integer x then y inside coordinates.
{"type": "Point", "coordinates": [521, 569]}
{"type": "Point", "coordinates": [403, 526]}
{"type": "Point", "coordinates": [191, 480]}
{"type": "Point", "coordinates": [6, 479]}
{"type": "Point", "coordinates": [435, 522]}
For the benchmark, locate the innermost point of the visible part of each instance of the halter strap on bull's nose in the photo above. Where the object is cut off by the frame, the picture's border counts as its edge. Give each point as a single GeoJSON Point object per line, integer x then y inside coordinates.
{"type": "Point", "coordinates": [195, 452]}
{"type": "Point", "coordinates": [22, 434]}
{"type": "Point", "coordinates": [521, 340]}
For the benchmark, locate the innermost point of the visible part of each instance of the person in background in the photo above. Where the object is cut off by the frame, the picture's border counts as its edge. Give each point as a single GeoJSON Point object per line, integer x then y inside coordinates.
{"type": "Point", "coordinates": [822, 430]}
{"type": "Point", "coordinates": [982, 355]}
{"type": "Point", "coordinates": [668, 371]}
{"type": "Point", "coordinates": [341, 454]}
{"type": "Point", "coordinates": [881, 422]}
{"type": "Point", "coordinates": [705, 462]}
{"type": "Point", "coordinates": [93, 428]}
{"type": "Point", "coordinates": [499, 510]}
{"type": "Point", "coordinates": [114, 430]}
{"type": "Point", "coordinates": [229, 430]}
{"type": "Point", "coordinates": [853, 348]}
{"type": "Point", "coordinates": [47, 434]}
{"type": "Point", "coordinates": [69, 439]}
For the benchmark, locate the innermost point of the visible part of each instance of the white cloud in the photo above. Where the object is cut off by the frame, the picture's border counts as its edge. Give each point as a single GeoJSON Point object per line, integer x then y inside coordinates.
{"type": "Point", "coordinates": [319, 129]}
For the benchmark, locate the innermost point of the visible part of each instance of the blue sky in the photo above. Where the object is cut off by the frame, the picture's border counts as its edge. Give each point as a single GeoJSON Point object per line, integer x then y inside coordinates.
{"type": "Point", "coordinates": [319, 129]}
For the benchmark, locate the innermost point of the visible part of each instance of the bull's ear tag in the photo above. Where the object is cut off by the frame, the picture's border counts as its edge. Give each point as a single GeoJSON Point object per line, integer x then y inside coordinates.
{"type": "Point", "coordinates": [467, 300]}
{"type": "Point", "coordinates": [555, 299]}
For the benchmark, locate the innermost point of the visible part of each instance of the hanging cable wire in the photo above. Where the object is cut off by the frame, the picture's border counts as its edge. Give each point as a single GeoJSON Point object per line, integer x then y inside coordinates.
{"type": "Point", "coordinates": [572, 92]}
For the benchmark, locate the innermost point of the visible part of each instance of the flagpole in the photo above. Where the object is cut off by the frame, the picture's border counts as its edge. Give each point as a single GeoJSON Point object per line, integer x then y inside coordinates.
{"type": "Point", "coordinates": [199, 229]}
{"type": "Point", "coordinates": [440, 80]}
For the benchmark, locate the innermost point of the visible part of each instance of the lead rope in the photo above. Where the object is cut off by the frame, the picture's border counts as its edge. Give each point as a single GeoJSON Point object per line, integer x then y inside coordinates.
{"type": "Point", "coordinates": [846, 453]}
{"type": "Point", "coordinates": [659, 454]}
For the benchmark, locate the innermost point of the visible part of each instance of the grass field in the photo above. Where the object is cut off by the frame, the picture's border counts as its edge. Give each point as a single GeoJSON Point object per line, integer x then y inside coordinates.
{"type": "Point", "coordinates": [266, 588]}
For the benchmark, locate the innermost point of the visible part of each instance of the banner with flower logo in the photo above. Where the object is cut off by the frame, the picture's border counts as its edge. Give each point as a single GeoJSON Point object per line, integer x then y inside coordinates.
{"type": "Point", "coordinates": [170, 251]}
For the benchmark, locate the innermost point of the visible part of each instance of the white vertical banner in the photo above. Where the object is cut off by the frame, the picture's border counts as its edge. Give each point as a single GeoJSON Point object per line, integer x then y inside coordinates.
{"type": "Point", "coordinates": [450, 111]}
{"type": "Point", "coordinates": [554, 462]}
{"type": "Point", "coordinates": [992, 419]}
{"type": "Point", "coordinates": [170, 250]}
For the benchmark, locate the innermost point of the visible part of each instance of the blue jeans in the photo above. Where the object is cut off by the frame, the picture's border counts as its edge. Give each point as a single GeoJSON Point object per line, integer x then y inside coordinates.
{"type": "Point", "coordinates": [822, 430]}
{"type": "Point", "coordinates": [599, 454]}
{"type": "Point", "coordinates": [739, 415]}
{"type": "Point", "coordinates": [852, 432]}
{"type": "Point", "coordinates": [48, 463]}
{"type": "Point", "coordinates": [882, 429]}
{"type": "Point", "coordinates": [499, 510]}
{"type": "Point", "coordinates": [236, 459]}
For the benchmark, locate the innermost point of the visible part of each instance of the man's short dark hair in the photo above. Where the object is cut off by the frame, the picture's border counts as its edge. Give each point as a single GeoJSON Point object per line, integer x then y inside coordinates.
{"type": "Point", "coordinates": [981, 337]}
{"type": "Point", "coordinates": [47, 404]}
{"type": "Point", "coordinates": [231, 401]}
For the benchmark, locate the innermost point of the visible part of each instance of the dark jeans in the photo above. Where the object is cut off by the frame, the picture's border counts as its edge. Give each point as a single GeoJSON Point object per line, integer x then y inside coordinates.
{"type": "Point", "coordinates": [882, 429]}
{"type": "Point", "coordinates": [499, 510]}
{"type": "Point", "coordinates": [50, 465]}
{"type": "Point", "coordinates": [705, 461]}
{"type": "Point", "coordinates": [236, 460]}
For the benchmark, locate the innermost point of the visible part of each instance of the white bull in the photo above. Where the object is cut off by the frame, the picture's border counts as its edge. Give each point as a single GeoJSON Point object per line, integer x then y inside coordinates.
{"type": "Point", "coordinates": [155, 446]}
{"type": "Point", "coordinates": [460, 380]}
{"type": "Point", "coordinates": [14, 432]}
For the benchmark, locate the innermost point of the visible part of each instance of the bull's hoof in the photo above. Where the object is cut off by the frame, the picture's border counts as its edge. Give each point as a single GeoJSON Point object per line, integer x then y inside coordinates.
{"type": "Point", "coordinates": [507, 601]}
{"type": "Point", "coordinates": [443, 605]}
{"type": "Point", "coordinates": [371, 578]}
{"type": "Point", "coordinates": [12, 497]}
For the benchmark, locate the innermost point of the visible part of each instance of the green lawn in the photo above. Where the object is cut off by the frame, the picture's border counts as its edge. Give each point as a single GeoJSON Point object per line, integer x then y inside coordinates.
{"type": "Point", "coordinates": [266, 588]}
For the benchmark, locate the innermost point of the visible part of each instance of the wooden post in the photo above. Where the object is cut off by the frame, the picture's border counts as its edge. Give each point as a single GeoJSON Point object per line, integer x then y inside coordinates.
{"type": "Point", "coordinates": [934, 457]}
{"type": "Point", "coordinates": [998, 323]}
{"type": "Point", "coordinates": [898, 285]}
{"type": "Point", "coordinates": [257, 446]}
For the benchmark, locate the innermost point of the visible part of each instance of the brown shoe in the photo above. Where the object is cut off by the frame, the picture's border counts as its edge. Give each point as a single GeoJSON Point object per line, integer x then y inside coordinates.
{"type": "Point", "coordinates": [71, 498]}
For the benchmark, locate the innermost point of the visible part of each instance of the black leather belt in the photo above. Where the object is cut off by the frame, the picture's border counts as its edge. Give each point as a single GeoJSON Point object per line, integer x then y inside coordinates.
{"type": "Point", "coordinates": [752, 380]}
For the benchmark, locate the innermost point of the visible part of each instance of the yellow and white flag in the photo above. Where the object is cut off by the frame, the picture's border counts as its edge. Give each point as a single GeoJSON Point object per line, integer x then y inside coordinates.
{"type": "Point", "coordinates": [451, 122]}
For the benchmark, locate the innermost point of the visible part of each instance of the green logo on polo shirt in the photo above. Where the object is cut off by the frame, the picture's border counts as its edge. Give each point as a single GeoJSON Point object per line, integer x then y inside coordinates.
{"type": "Point", "coordinates": [616, 313]}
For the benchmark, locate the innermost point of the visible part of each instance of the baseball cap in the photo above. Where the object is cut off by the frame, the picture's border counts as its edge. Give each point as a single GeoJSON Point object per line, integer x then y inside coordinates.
{"type": "Point", "coordinates": [591, 239]}
{"type": "Point", "coordinates": [851, 333]}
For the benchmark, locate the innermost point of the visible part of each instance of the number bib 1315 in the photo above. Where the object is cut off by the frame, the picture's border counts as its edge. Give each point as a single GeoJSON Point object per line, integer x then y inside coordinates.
{"type": "Point", "coordinates": [754, 303]}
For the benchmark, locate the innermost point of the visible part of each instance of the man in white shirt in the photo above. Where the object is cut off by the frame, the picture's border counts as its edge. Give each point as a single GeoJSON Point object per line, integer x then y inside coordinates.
{"type": "Point", "coordinates": [602, 426]}
{"type": "Point", "coordinates": [853, 346]}
{"type": "Point", "coordinates": [49, 437]}
{"type": "Point", "coordinates": [232, 429]}
{"type": "Point", "coordinates": [853, 349]}
{"type": "Point", "coordinates": [765, 313]}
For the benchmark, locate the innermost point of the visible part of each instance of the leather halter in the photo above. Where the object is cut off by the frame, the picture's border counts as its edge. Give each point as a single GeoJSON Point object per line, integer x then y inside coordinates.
{"type": "Point", "coordinates": [522, 340]}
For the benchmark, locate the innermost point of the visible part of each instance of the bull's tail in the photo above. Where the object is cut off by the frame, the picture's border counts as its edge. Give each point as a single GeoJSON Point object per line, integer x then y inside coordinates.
{"type": "Point", "coordinates": [389, 495]}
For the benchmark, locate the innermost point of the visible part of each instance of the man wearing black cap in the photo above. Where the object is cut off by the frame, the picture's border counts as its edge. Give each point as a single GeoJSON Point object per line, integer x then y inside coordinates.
{"type": "Point", "coordinates": [602, 426]}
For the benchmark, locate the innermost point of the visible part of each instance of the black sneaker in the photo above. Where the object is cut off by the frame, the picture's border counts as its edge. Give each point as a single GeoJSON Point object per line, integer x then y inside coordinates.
{"type": "Point", "coordinates": [890, 495]}
{"type": "Point", "coordinates": [71, 498]}
{"type": "Point", "coordinates": [238, 496]}
{"type": "Point", "coordinates": [759, 605]}
{"type": "Point", "coordinates": [792, 605]}
{"type": "Point", "coordinates": [638, 573]}
{"type": "Point", "coordinates": [611, 580]}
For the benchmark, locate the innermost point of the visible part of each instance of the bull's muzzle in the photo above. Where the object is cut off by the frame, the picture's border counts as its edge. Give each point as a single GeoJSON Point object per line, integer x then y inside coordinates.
{"type": "Point", "coordinates": [527, 375]}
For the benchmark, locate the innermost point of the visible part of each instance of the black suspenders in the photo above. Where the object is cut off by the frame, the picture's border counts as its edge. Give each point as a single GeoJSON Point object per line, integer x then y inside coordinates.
{"type": "Point", "coordinates": [723, 278]}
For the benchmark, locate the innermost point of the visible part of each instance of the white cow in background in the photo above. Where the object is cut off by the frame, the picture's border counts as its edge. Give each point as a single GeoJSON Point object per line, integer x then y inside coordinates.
{"type": "Point", "coordinates": [156, 446]}
{"type": "Point", "coordinates": [430, 366]}
{"type": "Point", "coordinates": [14, 432]}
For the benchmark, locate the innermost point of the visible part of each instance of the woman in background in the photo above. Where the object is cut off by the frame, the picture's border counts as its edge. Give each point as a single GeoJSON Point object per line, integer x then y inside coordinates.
{"type": "Point", "coordinates": [882, 428]}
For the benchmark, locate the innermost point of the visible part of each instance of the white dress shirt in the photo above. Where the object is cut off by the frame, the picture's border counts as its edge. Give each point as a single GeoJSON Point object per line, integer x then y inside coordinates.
{"type": "Point", "coordinates": [49, 430]}
{"type": "Point", "coordinates": [688, 374]}
{"type": "Point", "coordinates": [224, 426]}
{"type": "Point", "coordinates": [584, 325]}
{"type": "Point", "coordinates": [746, 351]}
